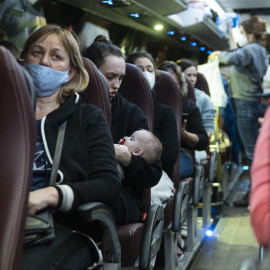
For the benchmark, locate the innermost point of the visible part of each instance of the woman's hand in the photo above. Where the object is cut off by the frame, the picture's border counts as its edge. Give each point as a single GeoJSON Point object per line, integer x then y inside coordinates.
{"type": "Point", "coordinates": [213, 56]}
{"type": "Point", "coordinates": [122, 154]}
{"type": "Point", "coordinates": [189, 138]}
{"type": "Point", "coordinates": [41, 199]}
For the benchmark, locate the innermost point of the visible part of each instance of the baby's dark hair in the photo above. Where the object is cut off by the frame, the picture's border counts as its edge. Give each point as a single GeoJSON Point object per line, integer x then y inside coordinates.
{"type": "Point", "coordinates": [100, 49]}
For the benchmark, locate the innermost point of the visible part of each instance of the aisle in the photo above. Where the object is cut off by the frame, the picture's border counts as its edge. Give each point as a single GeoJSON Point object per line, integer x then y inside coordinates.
{"type": "Point", "coordinates": [232, 242]}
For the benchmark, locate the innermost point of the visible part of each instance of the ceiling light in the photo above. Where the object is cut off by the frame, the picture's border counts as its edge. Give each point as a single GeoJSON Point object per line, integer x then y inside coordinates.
{"type": "Point", "coordinates": [170, 33]}
{"type": "Point", "coordinates": [208, 52]}
{"type": "Point", "coordinates": [183, 38]}
{"type": "Point", "coordinates": [158, 27]}
{"type": "Point", "coordinates": [193, 44]}
{"type": "Point", "coordinates": [202, 49]}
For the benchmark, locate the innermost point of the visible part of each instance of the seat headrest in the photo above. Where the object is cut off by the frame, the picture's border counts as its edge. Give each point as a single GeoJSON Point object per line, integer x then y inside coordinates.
{"type": "Point", "coordinates": [167, 91]}
{"type": "Point", "coordinates": [136, 89]}
{"type": "Point", "coordinates": [202, 83]}
{"type": "Point", "coordinates": [97, 92]}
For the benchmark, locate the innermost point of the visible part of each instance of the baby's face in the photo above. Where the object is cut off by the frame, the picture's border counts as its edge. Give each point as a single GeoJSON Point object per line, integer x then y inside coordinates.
{"type": "Point", "coordinates": [135, 141]}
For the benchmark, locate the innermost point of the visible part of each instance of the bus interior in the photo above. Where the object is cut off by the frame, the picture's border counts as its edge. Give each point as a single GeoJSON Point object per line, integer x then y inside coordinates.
{"type": "Point", "coordinates": [216, 234]}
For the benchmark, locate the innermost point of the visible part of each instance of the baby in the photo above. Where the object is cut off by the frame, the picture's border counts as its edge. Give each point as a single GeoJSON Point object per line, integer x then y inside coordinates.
{"type": "Point", "coordinates": [141, 143]}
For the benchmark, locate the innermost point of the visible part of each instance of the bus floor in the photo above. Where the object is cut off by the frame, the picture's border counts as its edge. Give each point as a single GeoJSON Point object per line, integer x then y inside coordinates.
{"type": "Point", "coordinates": [232, 240]}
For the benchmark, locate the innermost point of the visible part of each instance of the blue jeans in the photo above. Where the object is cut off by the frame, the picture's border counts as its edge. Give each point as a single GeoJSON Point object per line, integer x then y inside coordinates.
{"type": "Point", "coordinates": [186, 167]}
{"type": "Point", "coordinates": [68, 251]}
{"type": "Point", "coordinates": [247, 113]}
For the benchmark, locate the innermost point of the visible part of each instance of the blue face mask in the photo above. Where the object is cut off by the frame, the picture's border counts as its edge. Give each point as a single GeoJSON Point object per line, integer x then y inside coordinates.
{"type": "Point", "coordinates": [47, 81]}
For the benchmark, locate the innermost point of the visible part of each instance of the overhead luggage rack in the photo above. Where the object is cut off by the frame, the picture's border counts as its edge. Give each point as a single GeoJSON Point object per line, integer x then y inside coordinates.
{"type": "Point", "coordinates": [198, 24]}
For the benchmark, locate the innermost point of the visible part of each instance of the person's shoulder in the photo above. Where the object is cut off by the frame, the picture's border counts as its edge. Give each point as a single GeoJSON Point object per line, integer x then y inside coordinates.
{"type": "Point", "coordinates": [162, 107]}
{"type": "Point", "coordinates": [188, 102]}
{"type": "Point", "coordinates": [89, 110]}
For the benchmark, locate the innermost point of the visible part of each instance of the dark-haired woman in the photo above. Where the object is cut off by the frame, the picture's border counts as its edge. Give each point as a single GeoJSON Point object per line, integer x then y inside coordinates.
{"type": "Point", "coordinates": [203, 101]}
{"type": "Point", "coordinates": [193, 136]}
{"type": "Point", "coordinates": [165, 129]}
{"type": "Point", "coordinates": [249, 67]}
{"type": "Point", "coordinates": [126, 119]}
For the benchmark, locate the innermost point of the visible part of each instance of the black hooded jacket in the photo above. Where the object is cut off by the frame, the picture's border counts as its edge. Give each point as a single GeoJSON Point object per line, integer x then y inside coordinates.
{"type": "Point", "coordinates": [87, 171]}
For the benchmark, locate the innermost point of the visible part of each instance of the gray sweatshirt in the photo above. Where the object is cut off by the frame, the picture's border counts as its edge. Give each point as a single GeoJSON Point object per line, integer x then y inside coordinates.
{"type": "Point", "coordinates": [249, 67]}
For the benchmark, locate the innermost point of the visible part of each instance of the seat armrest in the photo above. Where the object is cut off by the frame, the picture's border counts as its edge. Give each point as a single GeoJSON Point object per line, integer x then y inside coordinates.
{"type": "Point", "coordinates": [213, 166]}
{"type": "Point", "coordinates": [197, 185]}
{"type": "Point", "coordinates": [152, 235]}
{"type": "Point", "coordinates": [102, 213]}
{"type": "Point", "coordinates": [180, 203]}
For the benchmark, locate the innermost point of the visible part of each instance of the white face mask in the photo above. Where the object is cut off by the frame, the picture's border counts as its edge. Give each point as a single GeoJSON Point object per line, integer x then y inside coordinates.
{"type": "Point", "coordinates": [242, 40]}
{"type": "Point", "coordinates": [151, 77]}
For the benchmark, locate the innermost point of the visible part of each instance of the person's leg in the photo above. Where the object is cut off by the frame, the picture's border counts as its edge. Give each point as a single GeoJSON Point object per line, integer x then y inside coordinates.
{"type": "Point", "coordinates": [163, 191]}
{"type": "Point", "coordinates": [186, 167]}
{"type": "Point", "coordinates": [67, 251]}
{"type": "Point", "coordinates": [247, 113]}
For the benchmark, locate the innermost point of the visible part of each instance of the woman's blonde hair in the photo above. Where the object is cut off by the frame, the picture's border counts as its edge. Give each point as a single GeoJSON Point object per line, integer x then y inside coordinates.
{"type": "Point", "coordinates": [80, 80]}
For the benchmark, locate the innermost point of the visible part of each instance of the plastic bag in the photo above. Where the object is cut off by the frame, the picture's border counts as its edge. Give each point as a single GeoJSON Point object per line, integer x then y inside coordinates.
{"type": "Point", "coordinates": [212, 74]}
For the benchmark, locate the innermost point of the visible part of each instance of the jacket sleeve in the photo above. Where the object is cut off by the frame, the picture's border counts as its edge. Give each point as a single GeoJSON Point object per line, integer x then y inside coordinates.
{"type": "Point", "coordinates": [208, 114]}
{"type": "Point", "coordinates": [240, 57]}
{"type": "Point", "coordinates": [260, 185]}
{"type": "Point", "coordinates": [140, 175]}
{"type": "Point", "coordinates": [195, 125]}
{"type": "Point", "coordinates": [103, 182]}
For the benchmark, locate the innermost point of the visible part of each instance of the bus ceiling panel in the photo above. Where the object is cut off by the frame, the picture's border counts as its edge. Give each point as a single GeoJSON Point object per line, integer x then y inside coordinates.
{"type": "Point", "coordinates": [162, 7]}
{"type": "Point", "coordinates": [245, 6]}
{"type": "Point", "coordinates": [117, 15]}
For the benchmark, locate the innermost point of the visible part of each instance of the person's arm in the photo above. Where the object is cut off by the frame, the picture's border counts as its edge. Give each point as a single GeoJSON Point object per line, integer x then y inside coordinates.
{"type": "Point", "coordinates": [195, 136]}
{"type": "Point", "coordinates": [208, 115]}
{"type": "Point", "coordinates": [240, 57]}
{"type": "Point", "coordinates": [139, 174]}
{"type": "Point", "coordinates": [260, 185]}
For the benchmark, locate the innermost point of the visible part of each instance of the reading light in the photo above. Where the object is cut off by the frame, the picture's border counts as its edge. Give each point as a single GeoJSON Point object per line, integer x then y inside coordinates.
{"type": "Point", "coordinates": [136, 15]}
{"type": "Point", "coordinates": [209, 233]}
{"type": "Point", "coordinates": [158, 27]}
{"type": "Point", "coordinates": [108, 2]}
